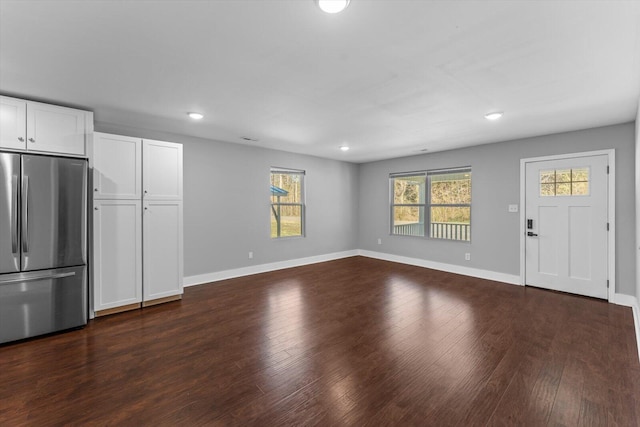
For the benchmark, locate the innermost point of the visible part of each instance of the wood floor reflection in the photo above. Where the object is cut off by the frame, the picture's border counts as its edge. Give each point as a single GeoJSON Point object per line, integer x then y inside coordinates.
{"type": "Point", "coordinates": [349, 342]}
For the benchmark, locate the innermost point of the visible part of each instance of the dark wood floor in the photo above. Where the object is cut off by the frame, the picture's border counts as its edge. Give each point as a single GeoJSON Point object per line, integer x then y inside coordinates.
{"type": "Point", "coordinates": [349, 342]}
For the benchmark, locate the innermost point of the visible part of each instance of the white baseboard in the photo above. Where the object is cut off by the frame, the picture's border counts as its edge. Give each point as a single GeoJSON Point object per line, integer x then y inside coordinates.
{"type": "Point", "coordinates": [513, 279]}
{"type": "Point", "coordinates": [263, 268]}
{"type": "Point", "coordinates": [622, 299]}
{"type": "Point", "coordinates": [636, 322]}
{"type": "Point", "coordinates": [630, 301]}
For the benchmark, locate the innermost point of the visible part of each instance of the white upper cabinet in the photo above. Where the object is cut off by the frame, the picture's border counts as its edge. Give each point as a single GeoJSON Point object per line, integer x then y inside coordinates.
{"type": "Point", "coordinates": [13, 127]}
{"type": "Point", "coordinates": [162, 173]}
{"type": "Point", "coordinates": [34, 126]}
{"type": "Point", "coordinates": [55, 129]}
{"type": "Point", "coordinates": [117, 167]}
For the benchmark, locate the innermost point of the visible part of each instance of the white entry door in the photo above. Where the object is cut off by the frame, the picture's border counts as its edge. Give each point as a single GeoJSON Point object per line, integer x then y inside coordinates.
{"type": "Point", "coordinates": [566, 225]}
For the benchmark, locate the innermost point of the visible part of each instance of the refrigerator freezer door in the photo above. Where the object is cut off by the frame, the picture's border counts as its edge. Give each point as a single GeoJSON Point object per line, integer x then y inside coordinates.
{"type": "Point", "coordinates": [9, 215]}
{"type": "Point", "coordinates": [40, 302]}
{"type": "Point", "coordinates": [53, 212]}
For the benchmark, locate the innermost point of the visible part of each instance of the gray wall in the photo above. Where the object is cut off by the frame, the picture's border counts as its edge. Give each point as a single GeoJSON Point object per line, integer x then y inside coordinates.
{"type": "Point", "coordinates": [226, 203]}
{"type": "Point", "coordinates": [348, 205]}
{"type": "Point", "coordinates": [496, 184]}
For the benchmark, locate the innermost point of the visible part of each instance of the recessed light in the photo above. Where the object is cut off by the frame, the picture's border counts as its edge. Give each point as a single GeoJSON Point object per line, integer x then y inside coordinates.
{"type": "Point", "coordinates": [195, 116]}
{"type": "Point", "coordinates": [495, 115]}
{"type": "Point", "coordinates": [332, 6]}
{"type": "Point", "coordinates": [344, 148]}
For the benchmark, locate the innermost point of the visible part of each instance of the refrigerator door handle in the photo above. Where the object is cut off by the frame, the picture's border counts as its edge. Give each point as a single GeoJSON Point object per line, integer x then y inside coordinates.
{"type": "Point", "coordinates": [25, 214]}
{"type": "Point", "coordinates": [35, 277]}
{"type": "Point", "coordinates": [14, 216]}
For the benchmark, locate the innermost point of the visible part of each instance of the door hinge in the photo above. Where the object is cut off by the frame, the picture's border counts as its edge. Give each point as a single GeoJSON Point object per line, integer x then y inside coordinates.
{"type": "Point", "coordinates": [607, 283]}
{"type": "Point", "coordinates": [607, 226]}
{"type": "Point", "coordinates": [607, 170]}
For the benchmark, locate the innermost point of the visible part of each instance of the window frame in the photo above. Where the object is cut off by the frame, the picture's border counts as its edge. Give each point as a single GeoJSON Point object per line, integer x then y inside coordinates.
{"type": "Point", "coordinates": [427, 205]}
{"type": "Point", "coordinates": [393, 205]}
{"type": "Point", "coordinates": [301, 204]}
{"type": "Point", "coordinates": [430, 174]}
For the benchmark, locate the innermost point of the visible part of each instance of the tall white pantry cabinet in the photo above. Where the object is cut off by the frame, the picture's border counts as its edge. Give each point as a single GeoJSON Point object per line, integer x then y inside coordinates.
{"type": "Point", "coordinates": [137, 222]}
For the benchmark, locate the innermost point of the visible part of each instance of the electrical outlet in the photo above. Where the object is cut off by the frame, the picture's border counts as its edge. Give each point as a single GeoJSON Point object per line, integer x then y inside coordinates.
{"type": "Point", "coordinates": [513, 208]}
{"type": "Point", "coordinates": [467, 256]}
{"type": "Point", "coordinates": [379, 241]}
{"type": "Point", "coordinates": [250, 255]}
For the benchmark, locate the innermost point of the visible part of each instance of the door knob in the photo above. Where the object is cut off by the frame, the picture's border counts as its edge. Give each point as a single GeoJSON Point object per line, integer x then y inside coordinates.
{"type": "Point", "coordinates": [531, 234]}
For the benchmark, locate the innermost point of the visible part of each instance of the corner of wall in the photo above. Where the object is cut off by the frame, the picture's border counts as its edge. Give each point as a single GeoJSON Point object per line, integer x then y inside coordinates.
{"type": "Point", "coordinates": [636, 306]}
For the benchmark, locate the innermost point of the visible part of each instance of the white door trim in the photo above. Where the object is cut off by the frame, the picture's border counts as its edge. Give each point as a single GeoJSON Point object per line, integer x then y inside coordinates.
{"type": "Point", "coordinates": [611, 211]}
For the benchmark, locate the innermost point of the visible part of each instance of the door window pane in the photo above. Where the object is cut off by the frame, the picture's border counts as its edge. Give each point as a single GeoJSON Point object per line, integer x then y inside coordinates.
{"type": "Point", "coordinates": [547, 177]}
{"type": "Point", "coordinates": [564, 182]}
{"type": "Point", "coordinates": [580, 189]}
{"type": "Point", "coordinates": [548, 189]}
{"type": "Point", "coordinates": [563, 189]}
{"type": "Point", "coordinates": [563, 175]}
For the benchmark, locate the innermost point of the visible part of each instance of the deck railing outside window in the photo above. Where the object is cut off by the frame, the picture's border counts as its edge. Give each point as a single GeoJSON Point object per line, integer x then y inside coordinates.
{"type": "Point", "coordinates": [439, 230]}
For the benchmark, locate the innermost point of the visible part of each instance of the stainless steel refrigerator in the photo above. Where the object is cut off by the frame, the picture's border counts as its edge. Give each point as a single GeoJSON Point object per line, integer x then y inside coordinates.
{"type": "Point", "coordinates": [43, 272]}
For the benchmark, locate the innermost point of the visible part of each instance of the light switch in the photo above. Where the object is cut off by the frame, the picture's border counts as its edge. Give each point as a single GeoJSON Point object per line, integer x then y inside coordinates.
{"type": "Point", "coordinates": [513, 208]}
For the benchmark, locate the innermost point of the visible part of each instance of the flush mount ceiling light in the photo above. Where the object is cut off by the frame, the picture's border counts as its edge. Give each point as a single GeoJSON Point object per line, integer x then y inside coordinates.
{"type": "Point", "coordinates": [195, 116]}
{"type": "Point", "coordinates": [332, 6]}
{"type": "Point", "coordinates": [493, 115]}
{"type": "Point", "coordinates": [344, 148]}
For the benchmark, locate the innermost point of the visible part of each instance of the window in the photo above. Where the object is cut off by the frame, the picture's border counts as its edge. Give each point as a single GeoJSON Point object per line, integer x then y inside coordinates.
{"type": "Point", "coordinates": [440, 198]}
{"type": "Point", "coordinates": [287, 203]}
{"type": "Point", "coordinates": [564, 182]}
{"type": "Point", "coordinates": [408, 204]}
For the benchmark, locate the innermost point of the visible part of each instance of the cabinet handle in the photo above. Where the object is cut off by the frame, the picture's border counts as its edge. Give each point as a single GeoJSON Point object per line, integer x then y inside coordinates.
{"type": "Point", "coordinates": [21, 139]}
{"type": "Point", "coordinates": [96, 208]}
{"type": "Point", "coordinates": [95, 189]}
{"type": "Point", "coordinates": [32, 140]}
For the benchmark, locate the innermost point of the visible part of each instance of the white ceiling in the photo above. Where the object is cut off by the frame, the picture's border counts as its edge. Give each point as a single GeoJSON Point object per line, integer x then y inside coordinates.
{"type": "Point", "coordinates": [388, 78]}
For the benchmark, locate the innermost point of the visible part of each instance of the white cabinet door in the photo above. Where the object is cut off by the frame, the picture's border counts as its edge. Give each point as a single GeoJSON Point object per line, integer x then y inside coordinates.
{"type": "Point", "coordinates": [13, 125]}
{"type": "Point", "coordinates": [55, 129]}
{"type": "Point", "coordinates": [117, 267]}
{"type": "Point", "coordinates": [162, 249]}
{"type": "Point", "coordinates": [162, 172]}
{"type": "Point", "coordinates": [117, 167]}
